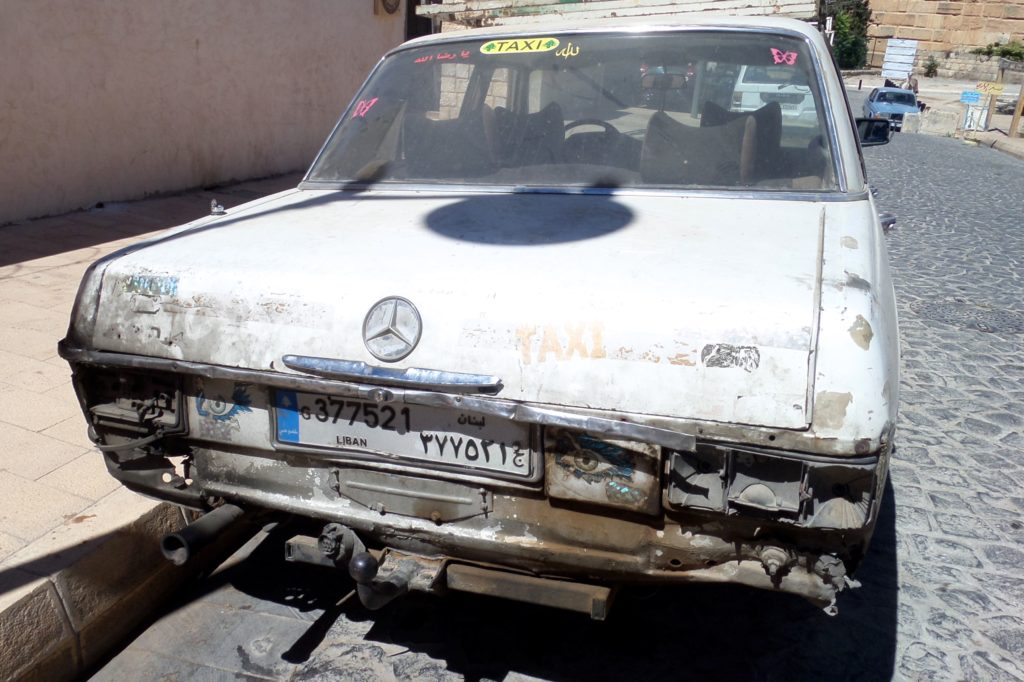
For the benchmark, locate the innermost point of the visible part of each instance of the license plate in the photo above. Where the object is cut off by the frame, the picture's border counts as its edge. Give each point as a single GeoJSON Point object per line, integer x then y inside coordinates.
{"type": "Point", "coordinates": [415, 432]}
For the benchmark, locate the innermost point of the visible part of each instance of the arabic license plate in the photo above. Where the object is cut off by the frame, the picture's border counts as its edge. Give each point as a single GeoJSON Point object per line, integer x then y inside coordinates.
{"type": "Point", "coordinates": [415, 432]}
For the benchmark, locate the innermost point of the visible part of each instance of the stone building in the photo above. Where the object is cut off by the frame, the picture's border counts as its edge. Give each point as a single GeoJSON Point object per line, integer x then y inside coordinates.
{"type": "Point", "coordinates": [947, 30]}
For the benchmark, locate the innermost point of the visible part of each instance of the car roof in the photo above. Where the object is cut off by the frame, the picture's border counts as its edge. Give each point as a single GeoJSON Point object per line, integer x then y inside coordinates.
{"type": "Point", "coordinates": [909, 92]}
{"type": "Point", "coordinates": [629, 24]}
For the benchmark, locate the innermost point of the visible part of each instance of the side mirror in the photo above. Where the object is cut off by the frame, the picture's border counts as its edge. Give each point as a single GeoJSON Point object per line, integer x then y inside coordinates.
{"type": "Point", "coordinates": [873, 131]}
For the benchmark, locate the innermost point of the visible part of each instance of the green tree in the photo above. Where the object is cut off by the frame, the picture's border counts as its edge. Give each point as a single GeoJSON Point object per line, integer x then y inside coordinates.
{"type": "Point", "coordinates": [850, 20]}
{"type": "Point", "coordinates": [851, 49]}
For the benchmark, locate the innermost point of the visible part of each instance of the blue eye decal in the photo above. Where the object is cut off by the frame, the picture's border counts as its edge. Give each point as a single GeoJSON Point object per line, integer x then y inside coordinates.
{"type": "Point", "coordinates": [221, 410]}
{"type": "Point", "coordinates": [594, 460]}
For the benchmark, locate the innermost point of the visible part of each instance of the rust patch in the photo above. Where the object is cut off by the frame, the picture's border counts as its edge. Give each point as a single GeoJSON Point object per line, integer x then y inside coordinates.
{"type": "Point", "coordinates": [830, 409]}
{"type": "Point", "coordinates": [726, 355]}
{"type": "Point", "coordinates": [849, 242]}
{"type": "Point", "coordinates": [860, 332]}
{"type": "Point", "coordinates": [71, 518]}
{"type": "Point", "coordinates": [855, 281]}
{"type": "Point", "coordinates": [681, 359]}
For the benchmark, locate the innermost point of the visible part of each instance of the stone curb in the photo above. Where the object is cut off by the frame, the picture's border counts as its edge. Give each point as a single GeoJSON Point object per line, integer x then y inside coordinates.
{"type": "Point", "coordinates": [1016, 151]}
{"type": "Point", "coordinates": [62, 625]}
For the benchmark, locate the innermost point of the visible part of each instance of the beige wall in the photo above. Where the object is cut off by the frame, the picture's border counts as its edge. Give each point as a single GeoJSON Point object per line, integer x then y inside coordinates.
{"type": "Point", "coordinates": [943, 26]}
{"type": "Point", "coordinates": [115, 99]}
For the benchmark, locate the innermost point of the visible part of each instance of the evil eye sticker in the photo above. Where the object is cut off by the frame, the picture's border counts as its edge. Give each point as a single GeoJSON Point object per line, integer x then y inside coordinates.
{"type": "Point", "coordinates": [520, 45]}
{"type": "Point", "coordinates": [593, 460]}
{"type": "Point", "coordinates": [219, 409]}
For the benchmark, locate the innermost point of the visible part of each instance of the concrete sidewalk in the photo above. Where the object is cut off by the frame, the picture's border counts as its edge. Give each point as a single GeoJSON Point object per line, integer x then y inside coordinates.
{"type": "Point", "coordinates": [75, 547]}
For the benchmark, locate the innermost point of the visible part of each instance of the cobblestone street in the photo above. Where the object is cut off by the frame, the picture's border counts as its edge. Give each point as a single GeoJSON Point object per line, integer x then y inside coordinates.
{"type": "Point", "coordinates": [958, 258]}
{"type": "Point", "coordinates": [943, 584]}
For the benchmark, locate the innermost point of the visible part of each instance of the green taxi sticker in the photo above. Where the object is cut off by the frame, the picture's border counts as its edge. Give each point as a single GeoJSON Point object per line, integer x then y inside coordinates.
{"type": "Point", "coordinates": [515, 45]}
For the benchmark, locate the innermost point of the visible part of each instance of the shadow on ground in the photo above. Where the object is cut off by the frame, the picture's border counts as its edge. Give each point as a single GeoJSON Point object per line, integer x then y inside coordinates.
{"type": "Point", "coordinates": [45, 237]}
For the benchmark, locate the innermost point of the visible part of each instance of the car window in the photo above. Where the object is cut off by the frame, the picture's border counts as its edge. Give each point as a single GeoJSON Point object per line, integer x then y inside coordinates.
{"type": "Point", "coordinates": [774, 75]}
{"type": "Point", "coordinates": [690, 109]}
{"type": "Point", "coordinates": [890, 97]}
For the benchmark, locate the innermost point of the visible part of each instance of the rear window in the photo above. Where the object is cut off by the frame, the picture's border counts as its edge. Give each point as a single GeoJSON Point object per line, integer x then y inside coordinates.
{"type": "Point", "coordinates": [660, 110]}
{"type": "Point", "coordinates": [774, 75]}
{"type": "Point", "coordinates": [897, 98]}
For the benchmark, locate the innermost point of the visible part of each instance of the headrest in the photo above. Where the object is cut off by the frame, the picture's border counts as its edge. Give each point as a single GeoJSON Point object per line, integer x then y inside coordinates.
{"type": "Point", "coordinates": [460, 147]}
{"type": "Point", "coordinates": [768, 117]}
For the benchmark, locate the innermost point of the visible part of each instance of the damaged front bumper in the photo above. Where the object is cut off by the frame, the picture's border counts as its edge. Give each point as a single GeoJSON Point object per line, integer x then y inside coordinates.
{"type": "Point", "coordinates": [607, 501]}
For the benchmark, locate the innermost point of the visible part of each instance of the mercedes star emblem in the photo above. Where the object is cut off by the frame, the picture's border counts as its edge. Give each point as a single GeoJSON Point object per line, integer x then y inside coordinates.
{"type": "Point", "coordinates": [392, 329]}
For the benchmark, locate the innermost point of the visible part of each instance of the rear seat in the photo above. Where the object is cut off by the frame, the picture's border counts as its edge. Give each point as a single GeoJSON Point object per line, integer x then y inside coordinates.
{"type": "Point", "coordinates": [730, 149]}
{"type": "Point", "coordinates": [678, 154]}
{"type": "Point", "coordinates": [456, 148]}
{"type": "Point", "coordinates": [766, 159]}
{"type": "Point", "coordinates": [529, 139]}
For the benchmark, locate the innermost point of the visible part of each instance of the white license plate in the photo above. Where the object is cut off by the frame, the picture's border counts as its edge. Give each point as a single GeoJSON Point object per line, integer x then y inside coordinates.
{"type": "Point", "coordinates": [416, 432]}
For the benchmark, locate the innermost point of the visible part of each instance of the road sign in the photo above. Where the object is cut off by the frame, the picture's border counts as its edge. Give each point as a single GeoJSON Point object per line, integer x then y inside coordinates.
{"type": "Point", "coordinates": [970, 97]}
{"type": "Point", "coordinates": [898, 61]}
{"type": "Point", "coordinates": [974, 117]}
{"type": "Point", "coordinates": [989, 88]}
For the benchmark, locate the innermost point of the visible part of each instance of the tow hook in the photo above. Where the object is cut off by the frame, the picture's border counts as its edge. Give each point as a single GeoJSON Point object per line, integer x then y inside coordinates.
{"type": "Point", "coordinates": [373, 592]}
{"type": "Point", "coordinates": [338, 543]}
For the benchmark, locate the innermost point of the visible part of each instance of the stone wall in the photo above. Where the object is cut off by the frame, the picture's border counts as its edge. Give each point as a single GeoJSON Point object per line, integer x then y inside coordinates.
{"type": "Point", "coordinates": [966, 66]}
{"type": "Point", "coordinates": [943, 26]}
{"type": "Point", "coordinates": [109, 100]}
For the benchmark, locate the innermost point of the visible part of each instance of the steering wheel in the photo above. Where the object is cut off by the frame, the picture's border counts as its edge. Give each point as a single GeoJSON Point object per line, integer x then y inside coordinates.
{"type": "Point", "coordinates": [609, 129]}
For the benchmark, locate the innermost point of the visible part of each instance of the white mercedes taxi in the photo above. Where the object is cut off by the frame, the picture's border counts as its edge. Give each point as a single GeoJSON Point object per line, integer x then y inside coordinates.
{"type": "Point", "coordinates": [538, 323]}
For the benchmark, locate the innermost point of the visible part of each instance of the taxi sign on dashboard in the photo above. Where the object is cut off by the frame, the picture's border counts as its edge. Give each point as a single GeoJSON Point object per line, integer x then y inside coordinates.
{"type": "Point", "coordinates": [516, 45]}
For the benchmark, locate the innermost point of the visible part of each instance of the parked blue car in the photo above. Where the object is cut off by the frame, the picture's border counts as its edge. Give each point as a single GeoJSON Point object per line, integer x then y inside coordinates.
{"type": "Point", "coordinates": [890, 103]}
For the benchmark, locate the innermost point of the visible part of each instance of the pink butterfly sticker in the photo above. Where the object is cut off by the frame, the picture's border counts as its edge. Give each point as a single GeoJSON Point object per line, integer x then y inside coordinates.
{"type": "Point", "coordinates": [781, 57]}
{"type": "Point", "coordinates": [363, 107]}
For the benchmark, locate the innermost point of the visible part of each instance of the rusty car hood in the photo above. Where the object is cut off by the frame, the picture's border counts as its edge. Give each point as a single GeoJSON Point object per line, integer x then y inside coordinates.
{"type": "Point", "coordinates": [673, 305]}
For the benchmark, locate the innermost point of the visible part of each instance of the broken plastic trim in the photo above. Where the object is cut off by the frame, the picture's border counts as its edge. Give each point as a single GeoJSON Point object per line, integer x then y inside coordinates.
{"type": "Point", "coordinates": [413, 377]}
{"type": "Point", "coordinates": [505, 409]}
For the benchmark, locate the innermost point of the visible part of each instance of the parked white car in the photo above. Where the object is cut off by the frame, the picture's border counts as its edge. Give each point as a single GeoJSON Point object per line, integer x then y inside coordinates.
{"type": "Point", "coordinates": [525, 332]}
{"type": "Point", "coordinates": [761, 85]}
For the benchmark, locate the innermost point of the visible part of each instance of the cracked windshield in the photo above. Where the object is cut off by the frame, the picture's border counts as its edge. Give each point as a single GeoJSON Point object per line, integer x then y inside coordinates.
{"type": "Point", "coordinates": [695, 109]}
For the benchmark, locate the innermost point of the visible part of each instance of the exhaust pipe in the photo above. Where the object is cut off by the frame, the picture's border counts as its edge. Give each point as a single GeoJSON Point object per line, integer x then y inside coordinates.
{"type": "Point", "coordinates": [181, 546]}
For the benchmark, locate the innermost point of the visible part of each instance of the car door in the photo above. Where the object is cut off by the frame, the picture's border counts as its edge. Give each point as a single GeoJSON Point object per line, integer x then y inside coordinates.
{"type": "Point", "coordinates": [868, 102]}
